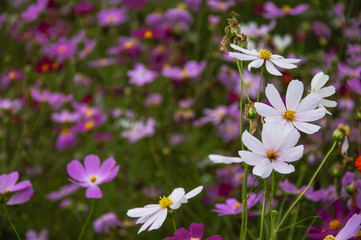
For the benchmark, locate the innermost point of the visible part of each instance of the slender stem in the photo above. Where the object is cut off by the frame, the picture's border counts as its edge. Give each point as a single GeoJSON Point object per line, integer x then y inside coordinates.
{"type": "Point", "coordinates": [263, 210]}
{"type": "Point", "coordinates": [173, 220]}
{"type": "Point", "coordinates": [244, 202]}
{"type": "Point", "coordinates": [270, 206]}
{"type": "Point", "coordinates": [11, 223]}
{"type": "Point", "coordinates": [242, 80]}
{"type": "Point", "coordinates": [308, 186]}
{"type": "Point", "coordinates": [260, 84]}
{"type": "Point", "coordinates": [87, 219]}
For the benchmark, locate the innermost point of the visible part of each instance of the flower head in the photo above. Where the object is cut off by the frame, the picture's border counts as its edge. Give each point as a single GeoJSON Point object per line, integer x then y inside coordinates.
{"type": "Point", "coordinates": [272, 11]}
{"type": "Point", "coordinates": [234, 207]}
{"type": "Point", "coordinates": [351, 228]}
{"type": "Point", "coordinates": [276, 151]}
{"type": "Point", "coordinates": [92, 174]}
{"type": "Point", "coordinates": [264, 56]}
{"type": "Point", "coordinates": [195, 232]}
{"type": "Point", "coordinates": [152, 216]}
{"type": "Point", "coordinates": [296, 113]}
{"type": "Point", "coordinates": [318, 81]}
{"type": "Point", "coordinates": [358, 163]}
{"type": "Point", "coordinates": [14, 193]}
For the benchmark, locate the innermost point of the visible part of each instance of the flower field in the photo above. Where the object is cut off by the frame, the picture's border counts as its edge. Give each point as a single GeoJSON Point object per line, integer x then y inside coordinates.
{"type": "Point", "coordinates": [180, 120]}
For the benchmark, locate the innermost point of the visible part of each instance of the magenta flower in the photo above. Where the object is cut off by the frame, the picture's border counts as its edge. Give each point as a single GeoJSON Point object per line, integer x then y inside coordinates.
{"type": "Point", "coordinates": [92, 174]}
{"type": "Point", "coordinates": [196, 231]}
{"type": "Point", "coordinates": [192, 69]}
{"type": "Point", "coordinates": [233, 207]}
{"type": "Point", "coordinates": [22, 190]}
{"type": "Point", "coordinates": [111, 17]}
{"type": "Point", "coordinates": [104, 223]}
{"type": "Point", "coordinates": [32, 235]}
{"type": "Point", "coordinates": [140, 75]}
{"type": "Point", "coordinates": [354, 85]}
{"type": "Point", "coordinates": [272, 11]}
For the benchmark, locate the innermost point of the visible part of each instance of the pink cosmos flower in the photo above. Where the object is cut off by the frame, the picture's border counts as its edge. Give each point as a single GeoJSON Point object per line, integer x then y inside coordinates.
{"type": "Point", "coordinates": [22, 190]}
{"type": "Point", "coordinates": [111, 17]}
{"type": "Point", "coordinates": [196, 231]}
{"type": "Point", "coordinates": [104, 223]}
{"type": "Point", "coordinates": [234, 207]}
{"type": "Point", "coordinates": [92, 174]}
{"type": "Point", "coordinates": [351, 228]}
{"type": "Point", "coordinates": [140, 75]}
{"type": "Point", "coordinates": [272, 11]}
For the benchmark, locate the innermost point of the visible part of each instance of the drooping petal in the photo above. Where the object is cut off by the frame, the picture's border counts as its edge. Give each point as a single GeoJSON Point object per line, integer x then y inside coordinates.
{"type": "Point", "coordinates": [310, 116]}
{"type": "Point", "coordinates": [255, 63]}
{"type": "Point", "coordinates": [251, 158]}
{"type": "Point", "coordinates": [21, 196]}
{"type": "Point", "coordinates": [93, 191]}
{"type": "Point", "coordinates": [272, 69]}
{"type": "Point", "coordinates": [159, 221]}
{"type": "Point", "coordinates": [76, 171]}
{"type": "Point", "coordinates": [263, 169]}
{"type": "Point", "coordinates": [152, 219]}
{"type": "Point", "coordinates": [194, 192]}
{"type": "Point", "coordinates": [139, 212]}
{"type": "Point", "coordinates": [267, 111]}
{"type": "Point", "coordinates": [223, 159]}
{"type": "Point", "coordinates": [282, 63]}
{"type": "Point", "coordinates": [291, 154]}
{"type": "Point", "coordinates": [252, 143]}
{"type": "Point", "coordinates": [250, 52]}
{"type": "Point", "coordinates": [274, 98]}
{"type": "Point", "coordinates": [92, 165]}
{"type": "Point", "coordinates": [242, 57]}
{"type": "Point", "coordinates": [306, 127]}
{"type": "Point", "coordinates": [20, 186]}
{"type": "Point", "coordinates": [283, 167]}
{"type": "Point", "coordinates": [294, 94]}
{"type": "Point", "coordinates": [310, 102]}
{"type": "Point", "coordinates": [196, 230]}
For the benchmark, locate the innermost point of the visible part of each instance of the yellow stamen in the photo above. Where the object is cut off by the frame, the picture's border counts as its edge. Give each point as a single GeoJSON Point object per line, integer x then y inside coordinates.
{"type": "Point", "coordinates": [194, 238]}
{"type": "Point", "coordinates": [89, 125]}
{"type": "Point", "coordinates": [148, 34]}
{"type": "Point", "coordinates": [184, 73]}
{"type": "Point", "coordinates": [286, 8]}
{"type": "Point", "coordinates": [358, 234]}
{"type": "Point", "coordinates": [12, 75]}
{"type": "Point", "coordinates": [128, 45]}
{"type": "Point", "coordinates": [237, 206]}
{"type": "Point", "coordinates": [289, 115]}
{"type": "Point", "coordinates": [345, 129]}
{"type": "Point", "coordinates": [329, 237]}
{"type": "Point", "coordinates": [165, 202]}
{"type": "Point", "coordinates": [65, 131]}
{"type": "Point", "coordinates": [88, 112]}
{"type": "Point", "coordinates": [334, 225]}
{"type": "Point", "coordinates": [45, 68]}
{"type": "Point", "coordinates": [7, 191]}
{"type": "Point", "coordinates": [93, 179]}
{"type": "Point", "coordinates": [271, 155]}
{"type": "Point", "coordinates": [265, 54]}
{"type": "Point", "coordinates": [61, 48]}
{"type": "Point", "coordinates": [111, 19]}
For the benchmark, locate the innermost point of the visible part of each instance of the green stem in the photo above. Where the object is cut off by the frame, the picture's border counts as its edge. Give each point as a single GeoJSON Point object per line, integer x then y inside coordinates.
{"type": "Point", "coordinates": [270, 206]}
{"type": "Point", "coordinates": [173, 220]}
{"type": "Point", "coordinates": [244, 202]}
{"type": "Point", "coordinates": [242, 80]}
{"type": "Point", "coordinates": [263, 210]}
{"type": "Point", "coordinates": [87, 219]}
{"type": "Point", "coordinates": [11, 223]}
{"type": "Point", "coordinates": [308, 186]}
{"type": "Point", "coordinates": [260, 84]}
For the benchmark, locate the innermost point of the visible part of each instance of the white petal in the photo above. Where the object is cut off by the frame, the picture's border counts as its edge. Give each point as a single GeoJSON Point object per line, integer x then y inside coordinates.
{"type": "Point", "coordinates": [283, 167]}
{"type": "Point", "coordinates": [328, 103]}
{"type": "Point", "coordinates": [242, 57]}
{"type": "Point", "coordinates": [159, 221]}
{"type": "Point", "coordinates": [274, 98]}
{"type": "Point", "coordinates": [139, 212]}
{"type": "Point", "coordinates": [282, 63]}
{"type": "Point", "coordinates": [251, 158]}
{"type": "Point", "coordinates": [311, 115]}
{"type": "Point", "coordinates": [327, 91]}
{"type": "Point", "coordinates": [194, 192]}
{"type": "Point", "coordinates": [152, 219]}
{"type": "Point", "coordinates": [177, 204]}
{"type": "Point", "coordinates": [272, 69]}
{"type": "Point", "coordinates": [294, 94]}
{"type": "Point", "coordinates": [250, 52]}
{"type": "Point", "coordinates": [223, 159]}
{"type": "Point", "coordinates": [310, 102]}
{"type": "Point", "coordinates": [177, 194]}
{"type": "Point", "coordinates": [263, 169]}
{"type": "Point", "coordinates": [291, 138]}
{"type": "Point", "coordinates": [291, 154]}
{"type": "Point", "coordinates": [306, 127]}
{"type": "Point", "coordinates": [344, 146]}
{"type": "Point", "coordinates": [252, 143]}
{"type": "Point", "coordinates": [255, 63]}
{"type": "Point", "coordinates": [273, 136]}
{"type": "Point", "coordinates": [266, 111]}
{"type": "Point", "coordinates": [319, 80]}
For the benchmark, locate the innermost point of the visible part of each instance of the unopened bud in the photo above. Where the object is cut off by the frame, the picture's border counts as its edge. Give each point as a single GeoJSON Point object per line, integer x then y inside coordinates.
{"type": "Point", "coordinates": [350, 189]}
{"type": "Point", "coordinates": [335, 173]}
{"type": "Point", "coordinates": [338, 135]}
{"type": "Point", "coordinates": [251, 112]}
{"type": "Point", "coordinates": [358, 114]}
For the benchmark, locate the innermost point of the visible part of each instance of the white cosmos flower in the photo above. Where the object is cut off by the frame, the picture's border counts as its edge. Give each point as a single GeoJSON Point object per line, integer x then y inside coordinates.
{"type": "Point", "coordinates": [296, 113]}
{"type": "Point", "coordinates": [224, 159]}
{"type": "Point", "coordinates": [152, 216]}
{"type": "Point", "coordinates": [276, 151]}
{"type": "Point", "coordinates": [351, 228]}
{"type": "Point", "coordinates": [264, 56]}
{"type": "Point", "coordinates": [318, 81]}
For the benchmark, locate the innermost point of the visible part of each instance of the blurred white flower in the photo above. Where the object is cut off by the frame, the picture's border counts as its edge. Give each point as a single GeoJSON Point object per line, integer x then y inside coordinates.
{"type": "Point", "coordinates": [318, 81]}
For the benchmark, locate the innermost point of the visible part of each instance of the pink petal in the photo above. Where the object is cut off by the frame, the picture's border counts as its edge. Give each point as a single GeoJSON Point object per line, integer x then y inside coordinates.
{"type": "Point", "coordinates": [13, 177]}
{"type": "Point", "coordinates": [93, 191]}
{"type": "Point", "coordinates": [20, 186]}
{"type": "Point", "coordinates": [92, 165]}
{"type": "Point", "coordinates": [76, 171]}
{"type": "Point", "coordinates": [21, 196]}
{"type": "Point", "coordinates": [196, 230]}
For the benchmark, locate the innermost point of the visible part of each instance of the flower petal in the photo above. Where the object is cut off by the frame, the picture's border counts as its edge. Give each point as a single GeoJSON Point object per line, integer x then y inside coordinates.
{"type": "Point", "coordinates": [194, 192]}
{"type": "Point", "coordinates": [306, 127]}
{"type": "Point", "coordinates": [250, 52]}
{"type": "Point", "coordinates": [253, 143]}
{"type": "Point", "coordinates": [159, 221]}
{"type": "Point", "coordinates": [93, 191]}
{"type": "Point", "coordinates": [152, 219]}
{"type": "Point", "coordinates": [263, 169]}
{"type": "Point", "coordinates": [272, 69]}
{"type": "Point", "coordinates": [310, 102]}
{"type": "Point", "coordinates": [274, 98]}
{"type": "Point", "coordinates": [255, 63]}
{"type": "Point", "coordinates": [294, 94]}
{"type": "Point", "coordinates": [242, 57]}
{"type": "Point", "coordinates": [76, 171]}
{"type": "Point", "coordinates": [310, 116]}
{"type": "Point", "coordinates": [140, 212]}
{"type": "Point", "coordinates": [92, 165]}
{"type": "Point", "coordinates": [282, 63]}
{"type": "Point", "coordinates": [267, 111]}
{"type": "Point", "coordinates": [223, 159]}
{"type": "Point", "coordinates": [196, 230]}
{"type": "Point", "coordinates": [251, 158]}
{"type": "Point", "coordinates": [291, 154]}
{"type": "Point", "coordinates": [283, 167]}
{"type": "Point", "coordinates": [21, 196]}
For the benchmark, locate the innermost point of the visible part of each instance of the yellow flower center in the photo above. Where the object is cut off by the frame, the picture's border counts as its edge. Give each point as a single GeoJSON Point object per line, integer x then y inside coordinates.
{"type": "Point", "coordinates": [335, 224]}
{"type": "Point", "coordinates": [61, 48]}
{"type": "Point", "coordinates": [148, 34]}
{"type": "Point", "coordinates": [289, 115]}
{"type": "Point", "coordinates": [182, 6]}
{"type": "Point", "coordinates": [184, 73]}
{"type": "Point", "coordinates": [286, 8]}
{"type": "Point", "coordinates": [65, 131]}
{"type": "Point", "coordinates": [237, 206]}
{"type": "Point", "coordinates": [111, 19]}
{"type": "Point", "coordinates": [128, 45]}
{"type": "Point", "coordinates": [88, 112]}
{"type": "Point", "coordinates": [159, 48]}
{"type": "Point", "coordinates": [165, 202]}
{"type": "Point", "coordinates": [103, 62]}
{"type": "Point", "coordinates": [45, 68]}
{"type": "Point", "coordinates": [329, 237]}
{"type": "Point", "coordinates": [271, 155]}
{"type": "Point", "coordinates": [358, 234]}
{"type": "Point", "coordinates": [194, 238]}
{"type": "Point", "coordinates": [265, 54]}
{"type": "Point", "coordinates": [93, 179]}
{"type": "Point", "coordinates": [7, 191]}
{"type": "Point", "coordinates": [12, 75]}
{"type": "Point", "coordinates": [89, 125]}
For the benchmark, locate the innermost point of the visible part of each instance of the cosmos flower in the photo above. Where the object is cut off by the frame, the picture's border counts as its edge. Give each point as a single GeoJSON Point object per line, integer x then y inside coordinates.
{"type": "Point", "coordinates": [234, 207]}
{"type": "Point", "coordinates": [224, 159]}
{"type": "Point", "coordinates": [195, 232]}
{"type": "Point", "coordinates": [191, 70]}
{"type": "Point", "coordinates": [276, 151]}
{"type": "Point", "coordinates": [351, 228]}
{"type": "Point", "coordinates": [271, 11]}
{"type": "Point", "coordinates": [14, 193]}
{"type": "Point", "coordinates": [140, 75]}
{"type": "Point", "coordinates": [32, 235]}
{"type": "Point", "coordinates": [264, 56]}
{"type": "Point", "coordinates": [104, 223]}
{"type": "Point", "coordinates": [318, 81]}
{"type": "Point", "coordinates": [152, 216]}
{"type": "Point", "coordinates": [296, 113]}
{"type": "Point", "coordinates": [92, 174]}
{"type": "Point", "coordinates": [140, 130]}
{"type": "Point", "coordinates": [111, 17]}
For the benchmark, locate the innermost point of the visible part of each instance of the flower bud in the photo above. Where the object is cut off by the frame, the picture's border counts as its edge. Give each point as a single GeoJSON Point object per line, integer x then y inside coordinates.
{"type": "Point", "coordinates": [350, 189]}
{"type": "Point", "coordinates": [251, 112]}
{"type": "Point", "coordinates": [335, 173]}
{"type": "Point", "coordinates": [358, 114]}
{"type": "Point", "coordinates": [338, 135]}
